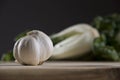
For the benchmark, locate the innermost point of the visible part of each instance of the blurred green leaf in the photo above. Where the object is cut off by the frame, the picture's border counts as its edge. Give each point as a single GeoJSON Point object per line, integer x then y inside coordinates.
{"type": "Point", "coordinates": [107, 47]}
{"type": "Point", "coordinates": [103, 51]}
{"type": "Point", "coordinates": [7, 56]}
{"type": "Point", "coordinates": [109, 25]}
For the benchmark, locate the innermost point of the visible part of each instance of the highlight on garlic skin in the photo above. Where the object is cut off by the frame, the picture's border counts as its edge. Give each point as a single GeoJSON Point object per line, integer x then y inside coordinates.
{"type": "Point", "coordinates": [33, 49]}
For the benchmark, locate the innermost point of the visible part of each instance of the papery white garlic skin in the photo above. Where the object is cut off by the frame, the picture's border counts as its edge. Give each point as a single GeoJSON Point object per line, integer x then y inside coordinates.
{"type": "Point", "coordinates": [33, 49]}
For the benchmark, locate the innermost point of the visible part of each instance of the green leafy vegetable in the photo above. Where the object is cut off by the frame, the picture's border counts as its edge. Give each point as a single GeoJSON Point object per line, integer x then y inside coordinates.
{"type": "Point", "coordinates": [7, 56]}
{"type": "Point", "coordinates": [107, 47]}
{"type": "Point", "coordinates": [103, 51]}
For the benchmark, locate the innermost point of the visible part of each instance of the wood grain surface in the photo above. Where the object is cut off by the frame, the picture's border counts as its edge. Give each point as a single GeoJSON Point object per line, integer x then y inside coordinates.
{"type": "Point", "coordinates": [61, 71]}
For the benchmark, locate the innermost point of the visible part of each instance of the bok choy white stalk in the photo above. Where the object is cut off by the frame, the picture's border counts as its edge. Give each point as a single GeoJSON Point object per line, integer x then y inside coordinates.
{"type": "Point", "coordinates": [74, 41]}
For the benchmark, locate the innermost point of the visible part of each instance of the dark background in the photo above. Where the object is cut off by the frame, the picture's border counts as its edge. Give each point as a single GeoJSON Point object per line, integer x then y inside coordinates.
{"type": "Point", "coordinates": [49, 16]}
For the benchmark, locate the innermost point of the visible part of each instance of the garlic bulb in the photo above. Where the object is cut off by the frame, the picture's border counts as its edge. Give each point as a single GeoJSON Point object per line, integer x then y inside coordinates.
{"type": "Point", "coordinates": [33, 49]}
{"type": "Point", "coordinates": [79, 41]}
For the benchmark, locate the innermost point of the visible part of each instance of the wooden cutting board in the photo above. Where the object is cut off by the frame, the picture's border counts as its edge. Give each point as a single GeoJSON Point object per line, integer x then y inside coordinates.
{"type": "Point", "coordinates": [61, 71]}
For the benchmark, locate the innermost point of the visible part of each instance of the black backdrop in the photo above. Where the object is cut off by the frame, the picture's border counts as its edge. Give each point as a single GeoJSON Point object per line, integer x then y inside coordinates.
{"type": "Point", "coordinates": [49, 16]}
